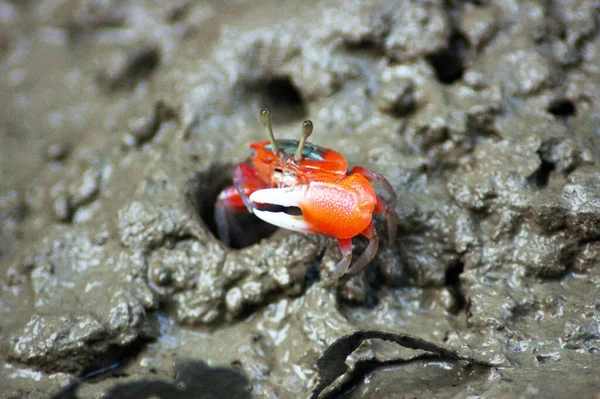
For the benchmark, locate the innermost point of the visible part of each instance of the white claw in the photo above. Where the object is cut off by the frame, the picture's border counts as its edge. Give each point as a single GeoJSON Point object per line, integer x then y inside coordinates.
{"type": "Point", "coordinates": [285, 197]}
{"type": "Point", "coordinates": [288, 196]}
{"type": "Point", "coordinates": [280, 219]}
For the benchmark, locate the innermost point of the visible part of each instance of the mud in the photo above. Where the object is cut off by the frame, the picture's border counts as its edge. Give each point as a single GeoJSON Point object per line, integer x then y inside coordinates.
{"type": "Point", "coordinates": [119, 126]}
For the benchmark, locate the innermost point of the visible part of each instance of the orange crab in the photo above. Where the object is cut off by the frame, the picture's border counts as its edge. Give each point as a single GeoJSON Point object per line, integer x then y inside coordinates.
{"type": "Point", "coordinates": [303, 187]}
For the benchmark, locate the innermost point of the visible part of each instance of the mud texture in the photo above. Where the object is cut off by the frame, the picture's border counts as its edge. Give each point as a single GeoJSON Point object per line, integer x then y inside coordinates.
{"type": "Point", "coordinates": [120, 123]}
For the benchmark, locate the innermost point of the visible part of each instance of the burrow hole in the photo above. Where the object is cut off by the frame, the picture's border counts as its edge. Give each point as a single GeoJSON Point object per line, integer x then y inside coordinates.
{"type": "Point", "coordinates": [452, 280]}
{"type": "Point", "coordinates": [540, 178]}
{"type": "Point", "coordinates": [562, 108]}
{"type": "Point", "coordinates": [279, 94]}
{"type": "Point", "coordinates": [245, 229]}
{"type": "Point", "coordinates": [449, 63]}
{"type": "Point", "coordinates": [283, 98]}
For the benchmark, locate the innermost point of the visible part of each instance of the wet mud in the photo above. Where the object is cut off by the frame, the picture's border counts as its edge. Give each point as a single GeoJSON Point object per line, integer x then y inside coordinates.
{"type": "Point", "coordinates": [120, 123]}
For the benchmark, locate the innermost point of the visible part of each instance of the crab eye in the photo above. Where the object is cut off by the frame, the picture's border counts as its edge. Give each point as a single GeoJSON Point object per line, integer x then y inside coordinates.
{"type": "Point", "coordinates": [288, 210]}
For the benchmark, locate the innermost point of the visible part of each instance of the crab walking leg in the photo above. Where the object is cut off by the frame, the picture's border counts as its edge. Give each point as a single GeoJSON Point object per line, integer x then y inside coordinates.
{"type": "Point", "coordinates": [374, 176]}
{"type": "Point", "coordinates": [247, 181]}
{"type": "Point", "coordinates": [382, 207]}
{"type": "Point", "coordinates": [391, 217]}
{"type": "Point", "coordinates": [371, 233]}
{"type": "Point", "coordinates": [228, 201]}
{"type": "Point", "coordinates": [235, 198]}
{"type": "Point", "coordinates": [221, 218]}
{"type": "Point", "coordinates": [341, 268]}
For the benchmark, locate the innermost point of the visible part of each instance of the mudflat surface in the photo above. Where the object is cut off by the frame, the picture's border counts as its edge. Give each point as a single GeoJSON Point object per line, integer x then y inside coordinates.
{"type": "Point", "coordinates": [120, 123]}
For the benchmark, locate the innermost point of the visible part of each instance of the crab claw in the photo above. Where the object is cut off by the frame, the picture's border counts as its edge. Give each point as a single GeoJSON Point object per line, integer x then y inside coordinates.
{"type": "Point", "coordinates": [281, 207]}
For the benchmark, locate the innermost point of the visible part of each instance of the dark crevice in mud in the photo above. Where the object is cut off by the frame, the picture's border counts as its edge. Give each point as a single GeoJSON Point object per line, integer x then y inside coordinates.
{"type": "Point", "coordinates": [405, 106]}
{"type": "Point", "coordinates": [539, 179]}
{"type": "Point", "coordinates": [555, 28]}
{"type": "Point", "coordinates": [313, 271]}
{"type": "Point", "coordinates": [375, 281]}
{"type": "Point", "coordinates": [143, 61]}
{"type": "Point", "coordinates": [190, 379]}
{"type": "Point", "coordinates": [247, 311]}
{"type": "Point", "coordinates": [520, 311]}
{"type": "Point", "coordinates": [245, 229]}
{"type": "Point", "coordinates": [568, 258]}
{"type": "Point", "coordinates": [367, 47]}
{"type": "Point", "coordinates": [139, 63]}
{"type": "Point", "coordinates": [452, 281]}
{"type": "Point", "coordinates": [117, 359]}
{"type": "Point", "coordinates": [148, 126]}
{"type": "Point", "coordinates": [562, 108]}
{"type": "Point", "coordinates": [449, 64]}
{"type": "Point", "coordinates": [178, 12]}
{"type": "Point", "coordinates": [171, 240]}
{"type": "Point", "coordinates": [452, 275]}
{"type": "Point", "coordinates": [280, 95]}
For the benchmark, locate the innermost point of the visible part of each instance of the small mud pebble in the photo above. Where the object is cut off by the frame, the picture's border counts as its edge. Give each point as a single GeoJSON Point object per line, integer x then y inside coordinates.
{"type": "Point", "coordinates": [87, 187]}
{"type": "Point", "coordinates": [395, 97]}
{"type": "Point", "coordinates": [162, 276]}
{"type": "Point", "coordinates": [63, 211]}
{"type": "Point", "coordinates": [145, 128]}
{"type": "Point", "coordinates": [124, 69]}
{"type": "Point", "coordinates": [354, 290]}
{"type": "Point", "coordinates": [57, 151]}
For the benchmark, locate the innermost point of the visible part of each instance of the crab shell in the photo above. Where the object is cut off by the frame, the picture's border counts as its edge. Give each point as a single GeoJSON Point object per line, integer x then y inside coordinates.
{"type": "Point", "coordinates": [317, 163]}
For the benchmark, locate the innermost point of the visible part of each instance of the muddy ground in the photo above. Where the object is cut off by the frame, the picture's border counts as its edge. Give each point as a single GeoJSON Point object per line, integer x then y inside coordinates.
{"type": "Point", "coordinates": [120, 123]}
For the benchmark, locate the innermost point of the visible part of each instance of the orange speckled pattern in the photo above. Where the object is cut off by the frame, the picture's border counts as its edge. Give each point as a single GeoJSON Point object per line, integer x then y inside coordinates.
{"type": "Point", "coordinates": [341, 210]}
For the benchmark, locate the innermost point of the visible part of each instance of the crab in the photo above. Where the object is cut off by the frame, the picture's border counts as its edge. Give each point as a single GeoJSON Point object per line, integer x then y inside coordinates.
{"type": "Point", "coordinates": [307, 188]}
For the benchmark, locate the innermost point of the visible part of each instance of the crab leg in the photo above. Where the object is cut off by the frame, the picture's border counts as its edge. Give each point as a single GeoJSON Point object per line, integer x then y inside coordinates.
{"type": "Point", "coordinates": [371, 233]}
{"type": "Point", "coordinates": [378, 177]}
{"type": "Point", "coordinates": [341, 268]}
{"type": "Point", "coordinates": [391, 218]}
{"type": "Point", "coordinates": [235, 198]}
{"type": "Point", "coordinates": [382, 207]}
{"type": "Point", "coordinates": [246, 181]}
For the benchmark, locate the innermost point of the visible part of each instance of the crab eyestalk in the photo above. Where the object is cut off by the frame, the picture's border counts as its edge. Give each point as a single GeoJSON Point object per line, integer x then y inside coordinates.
{"type": "Point", "coordinates": [265, 119]}
{"type": "Point", "coordinates": [307, 128]}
